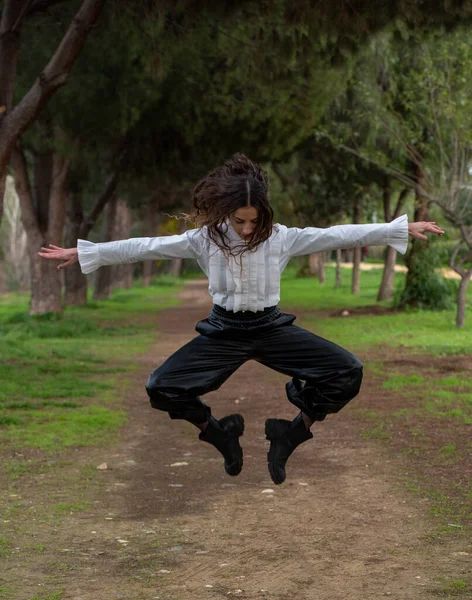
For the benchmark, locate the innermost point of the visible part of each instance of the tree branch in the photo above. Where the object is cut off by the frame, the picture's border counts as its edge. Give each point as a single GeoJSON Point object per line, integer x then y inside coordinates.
{"type": "Point", "coordinates": [109, 190]}
{"type": "Point", "coordinates": [57, 198]}
{"type": "Point", "coordinates": [54, 75]}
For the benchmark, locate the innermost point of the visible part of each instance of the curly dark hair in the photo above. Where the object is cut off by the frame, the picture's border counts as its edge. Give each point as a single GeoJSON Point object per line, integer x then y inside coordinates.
{"type": "Point", "coordinates": [237, 184]}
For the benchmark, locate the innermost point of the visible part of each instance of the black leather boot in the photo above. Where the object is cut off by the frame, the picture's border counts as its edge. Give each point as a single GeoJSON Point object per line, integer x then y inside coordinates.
{"type": "Point", "coordinates": [224, 435]}
{"type": "Point", "coordinates": [284, 437]}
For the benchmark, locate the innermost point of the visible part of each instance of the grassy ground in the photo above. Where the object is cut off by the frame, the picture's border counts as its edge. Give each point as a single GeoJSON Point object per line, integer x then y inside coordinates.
{"type": "Point", "coordinates": [419, 381]}
{"type": "Point", "coordinates": [429, 331]}
{"type": "Point", "coordinates": [58, 378]}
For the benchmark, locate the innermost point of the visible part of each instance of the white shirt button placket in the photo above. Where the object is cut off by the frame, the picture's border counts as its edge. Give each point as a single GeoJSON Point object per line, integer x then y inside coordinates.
{"type": "Point", "coordinates": [244, 283]}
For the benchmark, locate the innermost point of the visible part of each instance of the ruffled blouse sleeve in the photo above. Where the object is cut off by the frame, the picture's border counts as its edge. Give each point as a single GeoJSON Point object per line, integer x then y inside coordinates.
{"type": "Point", "coordinates": [312, 239]}
{"type": "Point", "coordinates": [92, 256]}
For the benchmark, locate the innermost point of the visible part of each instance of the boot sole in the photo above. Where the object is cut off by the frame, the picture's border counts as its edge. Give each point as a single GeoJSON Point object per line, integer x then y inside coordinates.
{"type": "Point", "coordinates": [238, 421]}
{"type": "Point", "coordinates": [237, 430]}
{"type": "Point", "coordinates": [272, 431]}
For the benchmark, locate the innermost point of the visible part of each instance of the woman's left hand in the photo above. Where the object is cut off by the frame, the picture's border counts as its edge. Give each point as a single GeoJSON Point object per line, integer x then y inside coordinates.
{"type": "Point", "coordinates": [417, 230]}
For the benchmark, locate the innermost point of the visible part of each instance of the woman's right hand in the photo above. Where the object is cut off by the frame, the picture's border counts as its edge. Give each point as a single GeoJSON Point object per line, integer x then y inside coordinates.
{"type": "Point", "coordinates": [69, 255]}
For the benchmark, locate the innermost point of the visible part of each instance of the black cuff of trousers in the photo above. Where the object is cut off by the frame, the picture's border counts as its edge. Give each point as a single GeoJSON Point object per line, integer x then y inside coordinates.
{"type": "Point", "coordinates": [294, 391]}
{"type": "Point", "coordinates": [181, 407]}
{"type": "Point", "coordinates": [196, 415]}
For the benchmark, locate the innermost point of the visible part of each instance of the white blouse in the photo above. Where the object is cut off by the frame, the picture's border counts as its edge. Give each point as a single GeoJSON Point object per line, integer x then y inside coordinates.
{"type": "Point", "coordinates": [252, 281]}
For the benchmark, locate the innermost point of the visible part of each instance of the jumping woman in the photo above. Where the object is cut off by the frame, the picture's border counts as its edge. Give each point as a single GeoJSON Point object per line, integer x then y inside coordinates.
{"type": "Point", "coordinates": [243, 253]}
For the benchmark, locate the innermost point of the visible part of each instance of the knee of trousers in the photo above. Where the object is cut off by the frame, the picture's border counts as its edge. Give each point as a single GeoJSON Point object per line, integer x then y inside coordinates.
{"type": "Point", "coordinates": [351, 381]}
{"type": "Point", "coordinates": [318, 400]}
{"type": "Point", "coordinates": [178, 405]}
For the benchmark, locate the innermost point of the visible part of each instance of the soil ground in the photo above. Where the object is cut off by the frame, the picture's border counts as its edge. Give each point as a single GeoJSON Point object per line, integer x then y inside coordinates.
{"type": "Point", "coordinates": [163, 520]}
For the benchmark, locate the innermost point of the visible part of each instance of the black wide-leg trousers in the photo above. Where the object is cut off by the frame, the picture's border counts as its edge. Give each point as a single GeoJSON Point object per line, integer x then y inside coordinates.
{"type": "Point", "coordinates": [325, 377]}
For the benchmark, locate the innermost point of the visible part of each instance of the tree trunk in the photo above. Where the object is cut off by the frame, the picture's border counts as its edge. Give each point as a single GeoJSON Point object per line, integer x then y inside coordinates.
{"type": "Point", "coordinates": [75, 282]}
{"type": "Point", "coordinates": [122, 275]}
{"type": "Point", "coordinates": [79, 226]}
{"type": "Point", "coordinates": [103, 279]}
{"type": "Point", "coordinates": [14, 242]}
{"type": "Point", "coordinates": [337, 282]}
{"type": "Point", "coordinates": [316, 266]}
{"type": "Point", "coordinates": [322, 271]}
{"type": "Point", "coordinates": [42, 182]}
{"type": "Point", "coordinates": [356, 259]}
{"type": "Point", "coordinates": [413, 257]}
{"type": "Point", "coordinates": [356, 271]}
{"type": "Point", "coordinates": [462, 298]}
{"type": "Point", "coordinates": [388, 275]}
{"type": "Point", "coordinates": [46, 282]}
{"type": "Point", "coordinates": [176, 267]}
{"type": "Point", "coordinates": [177, 264]}
{"type": "Point", "coordinates": [151, 222]}
{"type": "Point", "coordinates": [46, 286]}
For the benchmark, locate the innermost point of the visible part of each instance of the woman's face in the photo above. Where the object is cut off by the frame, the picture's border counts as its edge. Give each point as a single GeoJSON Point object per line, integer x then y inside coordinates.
{"type": "Point", "coordinates": [244, 221]}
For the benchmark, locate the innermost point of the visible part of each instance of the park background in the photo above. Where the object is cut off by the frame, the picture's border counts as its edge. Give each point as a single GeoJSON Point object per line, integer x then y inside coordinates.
{"type": "Point", "coordinates": [110, 112]}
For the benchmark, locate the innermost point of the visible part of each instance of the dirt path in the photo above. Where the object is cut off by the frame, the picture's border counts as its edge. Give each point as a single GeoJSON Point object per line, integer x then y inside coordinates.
{"type": "Point", "coordinates": [340, 527]}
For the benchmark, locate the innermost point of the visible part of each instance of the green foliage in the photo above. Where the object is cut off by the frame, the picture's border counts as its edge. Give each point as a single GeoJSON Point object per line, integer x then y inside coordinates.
{"type": "Point", "coordinates": [426, 288]}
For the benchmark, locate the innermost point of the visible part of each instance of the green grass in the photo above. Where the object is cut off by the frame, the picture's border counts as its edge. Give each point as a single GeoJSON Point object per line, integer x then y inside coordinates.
{"type": "Point", "coordinates": [58, 376]}
{"type": "Point", "coordinates": [419, 331]}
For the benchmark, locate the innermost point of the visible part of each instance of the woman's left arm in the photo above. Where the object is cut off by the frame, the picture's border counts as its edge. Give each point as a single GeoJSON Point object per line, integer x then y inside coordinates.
{"type": "Point", "coordinates": [419, 228]}
{"type": "Point", "coordinates": [312, 239]}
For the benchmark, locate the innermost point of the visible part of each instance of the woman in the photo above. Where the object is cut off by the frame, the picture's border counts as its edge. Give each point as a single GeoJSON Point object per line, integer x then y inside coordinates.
{"type": "Point", "coordinates": [243, 255]}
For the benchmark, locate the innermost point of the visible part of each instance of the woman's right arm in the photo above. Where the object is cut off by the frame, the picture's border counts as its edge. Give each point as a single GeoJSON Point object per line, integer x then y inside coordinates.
{"type": "Point", "coordinates": [69, 255]}
{"type": "Point", "coordinates": [92, 256]}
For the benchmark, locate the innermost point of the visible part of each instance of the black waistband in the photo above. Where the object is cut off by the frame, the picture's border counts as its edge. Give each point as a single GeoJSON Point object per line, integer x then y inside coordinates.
{"type": "Point", "coordinates": [268, 314]}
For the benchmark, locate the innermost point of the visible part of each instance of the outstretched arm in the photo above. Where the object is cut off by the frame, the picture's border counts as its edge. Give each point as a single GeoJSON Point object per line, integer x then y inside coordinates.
{"type": "Point", "coordinates": [69, 255]}
{"type": "Point", "coordinates": [92, 256]}
{"type": "Point", "coordinates": [419, 228]}
{"type": "Point", "coordinates": [311, 239]}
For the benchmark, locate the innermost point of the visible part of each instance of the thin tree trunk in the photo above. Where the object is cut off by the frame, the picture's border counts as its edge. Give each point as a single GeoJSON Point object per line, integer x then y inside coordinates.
{"type": "Point", "coordinates": [316, 266]}
{"type": "Point", "coordinates": [388, 275]}
{"type": "Point", "coordinates": [75, 282]}
{"type": "Point", "coordinates": [151, 222]}
{"type": "Point", "coordinates": [122, 275]}
{"type": "Point", "coordinates": [356, 272]}
{"type": "Point", "coordinates": [337, 282]}
{"type": "Point", "coordinates": [14, 241]}
{"type": "Point", "coordinates": [103, 279]}
{"type": "Point", "coordinates": [356, 260]}
{"type": "Point", "coordinates": [462, 298]}
{"type": "Point", "coordinates": [177, 264]}
{"type": "Point", "coordinates": [322, 271]}
{"type": "Point", "coordinates": [42, 180]}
